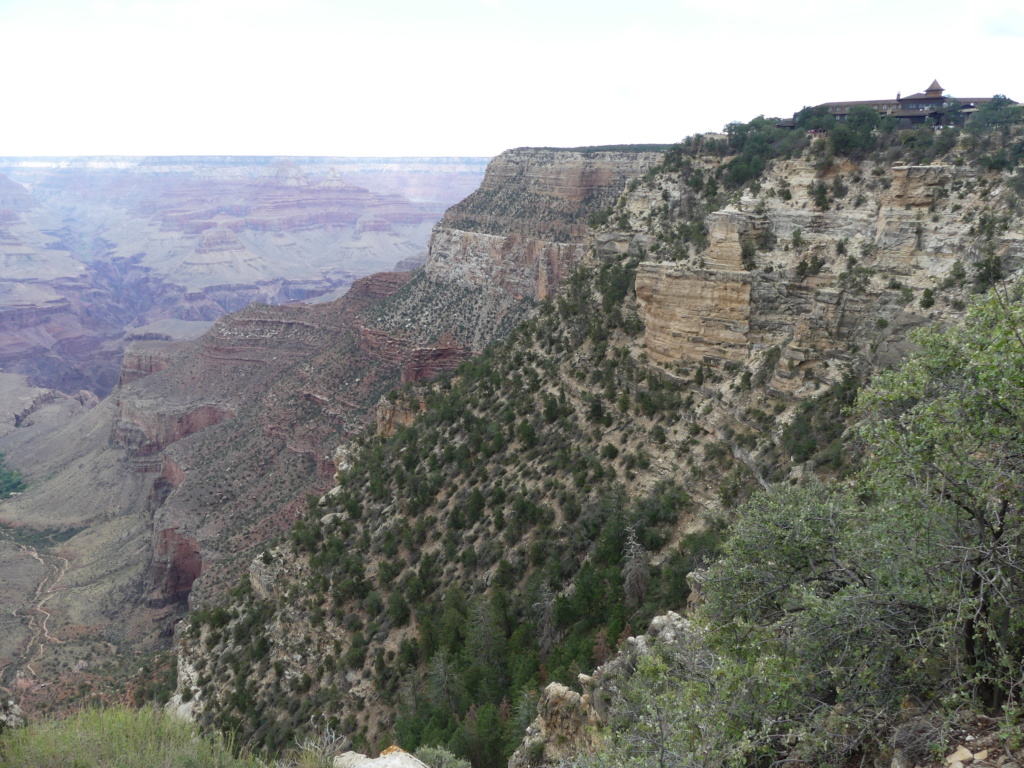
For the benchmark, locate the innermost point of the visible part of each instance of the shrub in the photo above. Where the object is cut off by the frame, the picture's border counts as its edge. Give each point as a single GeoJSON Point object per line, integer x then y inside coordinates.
{"type": "Point", "coordinates": [10, 480]}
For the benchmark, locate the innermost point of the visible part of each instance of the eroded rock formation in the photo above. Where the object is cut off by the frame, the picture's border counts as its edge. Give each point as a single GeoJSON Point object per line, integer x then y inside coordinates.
{"type": "Point", "coordinates": [177, 563]}
{"type": "Point", "coordinates": [567, 724]}
{"type": "Point", "coordinates": [821, 285]}
{"type": "Point", "coordinates": [522, 232]}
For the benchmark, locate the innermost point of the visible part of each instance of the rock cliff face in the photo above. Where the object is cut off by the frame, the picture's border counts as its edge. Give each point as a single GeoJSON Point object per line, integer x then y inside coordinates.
{"type": "Point", "coordinates": [548, 194]}
{"type": "Point", "coordinates": [824, 286]}
{"type": "Point", "coordinates": [512, 242]}
{"type": "Point", "coordinates": [391, 415]}
{"type": "Point", "coordinates": [147, 428]}
{"type": "Point", "coordinates": [177, 563]}
{"type": "Point", "coordinates": [143, 358]}
{"type": "Point", "coordinates": [522, 232]}
{"type": "Point", "coordinates": [516, 265]}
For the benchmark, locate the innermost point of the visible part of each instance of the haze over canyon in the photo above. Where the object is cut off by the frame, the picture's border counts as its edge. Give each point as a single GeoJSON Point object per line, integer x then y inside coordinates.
{"type": "Point", "coordinates": [95, 251]}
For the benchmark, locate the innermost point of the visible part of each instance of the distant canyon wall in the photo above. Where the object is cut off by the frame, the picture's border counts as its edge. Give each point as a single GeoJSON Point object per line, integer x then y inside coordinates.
{"type": "Point", "coordinates": [92, 247]}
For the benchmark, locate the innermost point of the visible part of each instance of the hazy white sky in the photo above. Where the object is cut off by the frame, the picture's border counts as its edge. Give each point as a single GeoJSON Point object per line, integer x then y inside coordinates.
{"type": "Point", "coordinates": [465, 77]}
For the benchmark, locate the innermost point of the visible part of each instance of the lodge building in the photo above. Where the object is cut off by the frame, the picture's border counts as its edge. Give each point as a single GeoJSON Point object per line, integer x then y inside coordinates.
{"type": "Point", "coordinates": [916, 108]}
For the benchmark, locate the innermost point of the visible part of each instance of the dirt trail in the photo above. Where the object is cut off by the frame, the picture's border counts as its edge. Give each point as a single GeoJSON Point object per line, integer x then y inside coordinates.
{"type": "Point", "coordinates": [38, 616]}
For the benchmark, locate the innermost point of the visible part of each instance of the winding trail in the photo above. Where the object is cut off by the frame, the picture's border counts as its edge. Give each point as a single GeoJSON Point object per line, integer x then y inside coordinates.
{"type": "Point", "coordinates": [37, 615]}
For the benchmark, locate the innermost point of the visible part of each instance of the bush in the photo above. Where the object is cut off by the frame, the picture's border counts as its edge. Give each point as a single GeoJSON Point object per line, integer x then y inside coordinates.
{"type": "Point", "coordinates": [439, 757]}
{"type": "Point", "coordinates": [10, 480]}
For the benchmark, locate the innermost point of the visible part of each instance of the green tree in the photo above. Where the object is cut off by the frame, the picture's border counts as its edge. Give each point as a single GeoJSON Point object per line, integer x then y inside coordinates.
{"type": "Point", "coordinates": [999, 112]}
{"type": "Point", "coordinates": [948, 449]}
{"type": "Point", "coordinates": [10, 480]}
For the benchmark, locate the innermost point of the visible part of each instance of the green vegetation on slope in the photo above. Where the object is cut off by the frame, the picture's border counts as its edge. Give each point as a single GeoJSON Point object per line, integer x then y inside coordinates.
{"type": "Point", "coordinates": [509, 537]}
{"type": "Point", "coordinates": [835, 606]}
{"type": "Point", "coordinates": [10, 480]}
{"type": "Point", "coordinates": [532, 514]}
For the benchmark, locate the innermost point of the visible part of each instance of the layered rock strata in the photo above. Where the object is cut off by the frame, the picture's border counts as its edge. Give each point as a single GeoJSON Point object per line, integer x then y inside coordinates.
{"type": "Point", "coordinates": [522, 232]}
{"type": "Point", "coordinates": [825, 286]}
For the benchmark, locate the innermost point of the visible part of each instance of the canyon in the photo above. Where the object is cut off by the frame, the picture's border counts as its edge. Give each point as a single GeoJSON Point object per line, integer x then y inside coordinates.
{"type": "Point", "coordinates": [299, 479]}
{"type": "Point", "coordinates": [206, 448]}
{"type": "Point", "coordinates": [96, 250]}
{"type": "Point", "coordinates": [661, 385]}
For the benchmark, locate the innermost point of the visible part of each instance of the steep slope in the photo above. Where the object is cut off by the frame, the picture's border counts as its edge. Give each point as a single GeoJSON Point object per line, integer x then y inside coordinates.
{"type": "Point", "coordinates": [557, 490]}
{"type": "Point", "coordinates": [513, 241]}
{"type": "Point", "coordinates": [207, 449]}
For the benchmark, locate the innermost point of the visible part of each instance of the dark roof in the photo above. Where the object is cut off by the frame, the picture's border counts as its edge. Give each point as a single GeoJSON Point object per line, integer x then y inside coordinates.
{"type": "Point", "coordinates": [856, 103]}
{"type": "Point", "coordinates": [934, 86]}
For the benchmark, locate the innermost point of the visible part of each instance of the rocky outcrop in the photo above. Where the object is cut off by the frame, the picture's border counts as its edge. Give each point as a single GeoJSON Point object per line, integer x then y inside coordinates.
{"type": "Point", "coordinates": [11, 715]}
{"type": "Point", "coordinates": [391, 415]}
{"type": "Point", "coordinates": [146, 357]}
{"type": "Point", "coordinates": [918, 185]}
{"type": "Point", "coordinates": [520, 266]}
{"type": "Point", "coordinates": [177, 563]}
{"type": "Point", "coordinates": [564, 727]}
{"type": "Point", "coordinates": [265, 571]}
{"type": "Point", "coordinates": [548, 194]}
{"type": "Point", "coordinates": [417, 363]}
{"type": "Point", "coordinates": [567, 722]}
{"type": "Point", "coordinates": [392, 757]}
{"type": "Point", "coordinates": [378, 286]}
{"type": "Point", "coordinates": [693, 314]}
{"type": "Point", "coordinates": [429, 362]}
{"type": "Point", "coordinates": [145, 432]}
{"type": "Point", "coordinates": [523, 231]}
{"type": "Point", "coordinates": [824, 286]}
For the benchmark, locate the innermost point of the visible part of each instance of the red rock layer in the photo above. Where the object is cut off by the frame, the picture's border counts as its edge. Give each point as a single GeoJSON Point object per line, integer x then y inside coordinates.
{"type": "Point", "coordinates": [177, 563]}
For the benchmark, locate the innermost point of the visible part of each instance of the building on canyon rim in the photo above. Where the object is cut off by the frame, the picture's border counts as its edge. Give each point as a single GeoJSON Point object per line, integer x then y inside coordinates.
{"type": "Point", "coordinates": [915, 109]}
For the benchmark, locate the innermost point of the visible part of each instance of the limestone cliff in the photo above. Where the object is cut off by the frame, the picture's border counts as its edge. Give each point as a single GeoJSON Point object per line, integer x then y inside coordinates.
{"type": "Point", "coordinates": [549, 194]}
{"type": "Point", "coordinates": [826, 287]}
{"type": "Point", "coordinates": [522, 232]}
{"type": "Point", "coordinates": [513, 241]}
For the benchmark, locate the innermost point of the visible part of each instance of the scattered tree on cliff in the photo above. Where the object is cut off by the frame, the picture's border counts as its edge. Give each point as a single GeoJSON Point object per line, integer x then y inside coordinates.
{"type": "Point", "coordinates": [10, 480]}
{"type": "Point", "coordinates": [832, 606]}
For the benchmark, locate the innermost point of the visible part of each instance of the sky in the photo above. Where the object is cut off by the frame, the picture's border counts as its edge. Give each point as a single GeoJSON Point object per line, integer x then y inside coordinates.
{"type": "Point", "coordinates": [465, 77]}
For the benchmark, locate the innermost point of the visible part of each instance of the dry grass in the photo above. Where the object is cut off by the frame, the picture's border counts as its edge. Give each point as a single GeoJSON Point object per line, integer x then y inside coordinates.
{"type": "Point", "coordinates": [117, 738]}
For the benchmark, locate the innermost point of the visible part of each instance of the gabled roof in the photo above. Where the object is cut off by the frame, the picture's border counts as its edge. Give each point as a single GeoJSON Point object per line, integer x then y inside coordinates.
{"type": "Point", "coordinates": [934, 86]}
